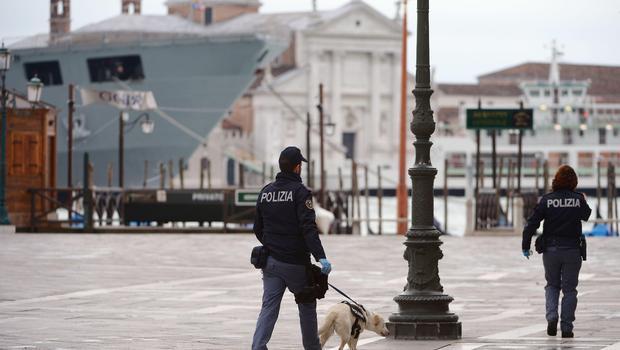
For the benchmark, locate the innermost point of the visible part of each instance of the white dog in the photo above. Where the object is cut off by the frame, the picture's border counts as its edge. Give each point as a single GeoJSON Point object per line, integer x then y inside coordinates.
{"type": "Point", "coordinates": [341, 320]}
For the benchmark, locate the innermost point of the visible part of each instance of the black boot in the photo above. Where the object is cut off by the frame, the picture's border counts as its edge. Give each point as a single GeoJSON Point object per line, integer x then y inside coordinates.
{"type": "Point", "coordinates": [552, 328]}
{"type": "Point", "coordinates": [568, 335]}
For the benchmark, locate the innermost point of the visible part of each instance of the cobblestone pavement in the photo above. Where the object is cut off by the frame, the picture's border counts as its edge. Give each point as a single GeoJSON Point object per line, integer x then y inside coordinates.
{"type": "Point", "coordinates": [199, 292]}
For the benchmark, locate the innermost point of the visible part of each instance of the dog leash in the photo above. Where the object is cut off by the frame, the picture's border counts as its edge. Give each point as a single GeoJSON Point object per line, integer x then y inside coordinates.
{"type": "Point", "coordinates": [344, 295]}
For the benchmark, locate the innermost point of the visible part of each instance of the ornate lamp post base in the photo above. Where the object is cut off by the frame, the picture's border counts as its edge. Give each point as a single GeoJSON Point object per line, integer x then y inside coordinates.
{"type": "Point", "coordinates": [424, 316]}
{"type": "Point", "coordinates": [423, 308]}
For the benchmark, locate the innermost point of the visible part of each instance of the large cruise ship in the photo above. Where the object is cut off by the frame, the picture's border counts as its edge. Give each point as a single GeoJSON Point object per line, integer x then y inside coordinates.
{"type": "Point", "coordinates": [193, 64]}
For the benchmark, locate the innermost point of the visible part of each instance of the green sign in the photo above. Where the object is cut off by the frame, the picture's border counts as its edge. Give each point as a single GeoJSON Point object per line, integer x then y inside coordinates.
{"type": "Point", "coordinates": [246, 198]}
{"type": "Point", "coordinates": [500, 118]}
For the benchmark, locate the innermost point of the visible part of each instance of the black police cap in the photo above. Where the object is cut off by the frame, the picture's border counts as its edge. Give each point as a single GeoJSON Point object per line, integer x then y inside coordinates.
{"type": "Point", "coordinates": [293, 155]}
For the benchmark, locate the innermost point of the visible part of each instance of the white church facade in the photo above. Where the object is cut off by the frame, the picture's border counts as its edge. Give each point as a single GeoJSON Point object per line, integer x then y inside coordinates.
{"type": "Point", "coordinates": [355, 53]}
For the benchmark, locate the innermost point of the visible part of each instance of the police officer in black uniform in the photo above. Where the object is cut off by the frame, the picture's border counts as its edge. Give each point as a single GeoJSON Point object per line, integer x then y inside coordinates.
{"type": "Point", "coordinates": [562, 210]}
{"type": "Point", "coordinates": [285, 224]}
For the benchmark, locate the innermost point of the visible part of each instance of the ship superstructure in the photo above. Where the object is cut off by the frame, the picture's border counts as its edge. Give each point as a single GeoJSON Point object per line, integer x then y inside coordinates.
{"type": "Point", "coordinates": [576, 119]}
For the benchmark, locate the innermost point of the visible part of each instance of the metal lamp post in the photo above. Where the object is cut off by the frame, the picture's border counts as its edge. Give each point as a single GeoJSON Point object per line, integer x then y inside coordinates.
{"type": "Point", "coordinates": [423, 308]}
{"type": "Point", "coordinates": [146, 125]}
{"type": "Point", "coordinates": [5, 64]}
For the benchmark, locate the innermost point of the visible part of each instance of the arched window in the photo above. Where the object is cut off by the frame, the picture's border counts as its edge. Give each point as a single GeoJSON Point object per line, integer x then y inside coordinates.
{"type": "Point", "coordinates": [60, 8]}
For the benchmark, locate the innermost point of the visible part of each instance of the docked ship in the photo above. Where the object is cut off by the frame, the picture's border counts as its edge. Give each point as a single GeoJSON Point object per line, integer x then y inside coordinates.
{"type": "Point", "coordinates": [576, 121]}
{"type": "Point", "coordinates": [195, 67]}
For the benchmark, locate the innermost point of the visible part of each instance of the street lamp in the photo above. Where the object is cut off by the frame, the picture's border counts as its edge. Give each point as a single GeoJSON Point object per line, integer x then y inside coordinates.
{"type": "Point", "coordinates": [146, 125]}
{"type": "Point", "coordinates": [5, 59]}
{"type": "Point", "coordinates": [35, 88]}
{"type": "Point", "coordinates": [423, 308]}
{"type": "Point", "coordinates": [5, 64]}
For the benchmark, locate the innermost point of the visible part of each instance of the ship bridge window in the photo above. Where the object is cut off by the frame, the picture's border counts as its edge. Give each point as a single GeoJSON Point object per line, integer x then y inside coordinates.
{"type": "Point", "coordinates": [535, 93]}
{"type": "Point", "coordinates": [577, 92]}
{"type": "Point", "coordinates": [112, 68]}
{"type": "Point", "coordinates": [48, 72]}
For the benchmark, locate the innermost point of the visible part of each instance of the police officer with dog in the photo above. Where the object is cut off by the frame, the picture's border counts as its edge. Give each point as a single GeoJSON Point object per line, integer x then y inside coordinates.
{"type": "Point", "coordinates": [562, 245]}
{"type": "Point", "coordinates": [285, 225]}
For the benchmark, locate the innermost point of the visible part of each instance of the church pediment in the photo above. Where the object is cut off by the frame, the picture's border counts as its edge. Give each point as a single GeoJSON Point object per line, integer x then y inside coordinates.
{"type": "Point", "coordinates": [358, 19]}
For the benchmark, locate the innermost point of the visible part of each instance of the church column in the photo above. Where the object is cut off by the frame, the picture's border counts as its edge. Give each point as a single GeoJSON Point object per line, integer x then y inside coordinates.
{"type": "Point", "coordinates": [375, 104]}
{"type": "Point", "coordinates": [313, 83]}
{"type": "Point", "coordinates": [395, 116]}
{"type": "Point", "coordinates": [336, 110]}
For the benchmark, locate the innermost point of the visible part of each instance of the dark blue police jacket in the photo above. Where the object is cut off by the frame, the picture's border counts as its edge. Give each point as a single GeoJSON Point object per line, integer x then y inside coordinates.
{"type": "Point", "coordinates": [285, 221]}
{"type": "Point", "coordinates": [562, 211]}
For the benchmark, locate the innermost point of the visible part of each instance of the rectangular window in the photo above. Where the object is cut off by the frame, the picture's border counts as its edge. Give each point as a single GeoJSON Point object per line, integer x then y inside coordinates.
{"type": "Point", "coordinates": [577, 92]}
{"type": "Point", "coordinates": [348, 141]}
{"type": "Point", "coordinates": [115, 68]}
{"type": "Point", "coordinates": [47, 71]}
{"type": "Point", "coordinates": [602, 136]}
{"type": "Point", "coordinates": [556, 159]}
{"type": "Point", "coordinates": [535, 93]}
{"type": "Point", "coordinates": [585, 163]}
{"type": "Point", "coordinates": [547, 92]}
{"type": "Point", "coordinates": [567, 138]}
{"type": "Point", "coordinates": [208, 16]}
{"type": "Point", "coordinates": [513, 137]}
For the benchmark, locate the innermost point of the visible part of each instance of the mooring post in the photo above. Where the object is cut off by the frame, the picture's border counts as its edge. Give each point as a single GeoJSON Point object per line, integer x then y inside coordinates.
{"type": "Point", "coordinates": [181, 171]}
{"type": "Point", "coordinates": [367, 200]}
{"type": "Point", "coordinates": [380, 199]}
{"type": "Point", "coordinates": [87, 198]}
{"type": "Point", "coordinates": [162, 176]}
{"type": "Point", "coordinates": [170, 174]}
{"type": "Point", "coordinates": [598, 184]}
{"type": "Point", "coordinates": [445, 196]}
{"type": "Point", "coordinates": [146, 173]}
{"type": "Point", "coordinates": [537, 166]}
{"type": "Point", "coordinates": [208, 173]}
{"type": "Point", "coordinates": [545, 176]}
{"type": "Point", "coordinates": [110, 174]}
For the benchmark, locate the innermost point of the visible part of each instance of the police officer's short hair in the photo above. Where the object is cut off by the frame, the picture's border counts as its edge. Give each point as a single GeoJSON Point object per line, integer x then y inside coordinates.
{"type": "Point", "coordinates": [286, 165]}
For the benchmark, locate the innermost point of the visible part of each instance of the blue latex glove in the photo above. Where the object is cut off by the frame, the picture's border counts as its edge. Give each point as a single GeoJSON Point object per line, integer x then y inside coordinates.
{"type": "Point", "coordinates": [326, 266]}
{"type": "Point", "coordinates": [527, 253]}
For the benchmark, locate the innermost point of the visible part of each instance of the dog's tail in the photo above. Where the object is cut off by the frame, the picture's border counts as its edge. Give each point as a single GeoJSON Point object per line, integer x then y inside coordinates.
{"type": "Point", "coordinates": [327, 328]}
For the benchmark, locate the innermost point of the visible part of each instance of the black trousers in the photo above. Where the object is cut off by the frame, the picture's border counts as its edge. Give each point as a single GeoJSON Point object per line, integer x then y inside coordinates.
{"type": "Point", "coordinates": [562, 267]}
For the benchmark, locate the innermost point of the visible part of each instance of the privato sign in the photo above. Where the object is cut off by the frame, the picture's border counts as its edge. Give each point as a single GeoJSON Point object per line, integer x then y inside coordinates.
{"type": "Point", "coordinates": [500, 118]}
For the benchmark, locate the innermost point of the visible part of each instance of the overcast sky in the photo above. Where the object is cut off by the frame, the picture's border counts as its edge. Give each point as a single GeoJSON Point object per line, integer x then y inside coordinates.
{"type": "Point", "coordinates": [468, 37]}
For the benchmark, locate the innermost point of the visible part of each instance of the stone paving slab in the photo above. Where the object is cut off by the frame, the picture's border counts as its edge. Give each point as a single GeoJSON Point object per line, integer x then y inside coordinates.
{"type": "Point", "coordinates": [143, 291]}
